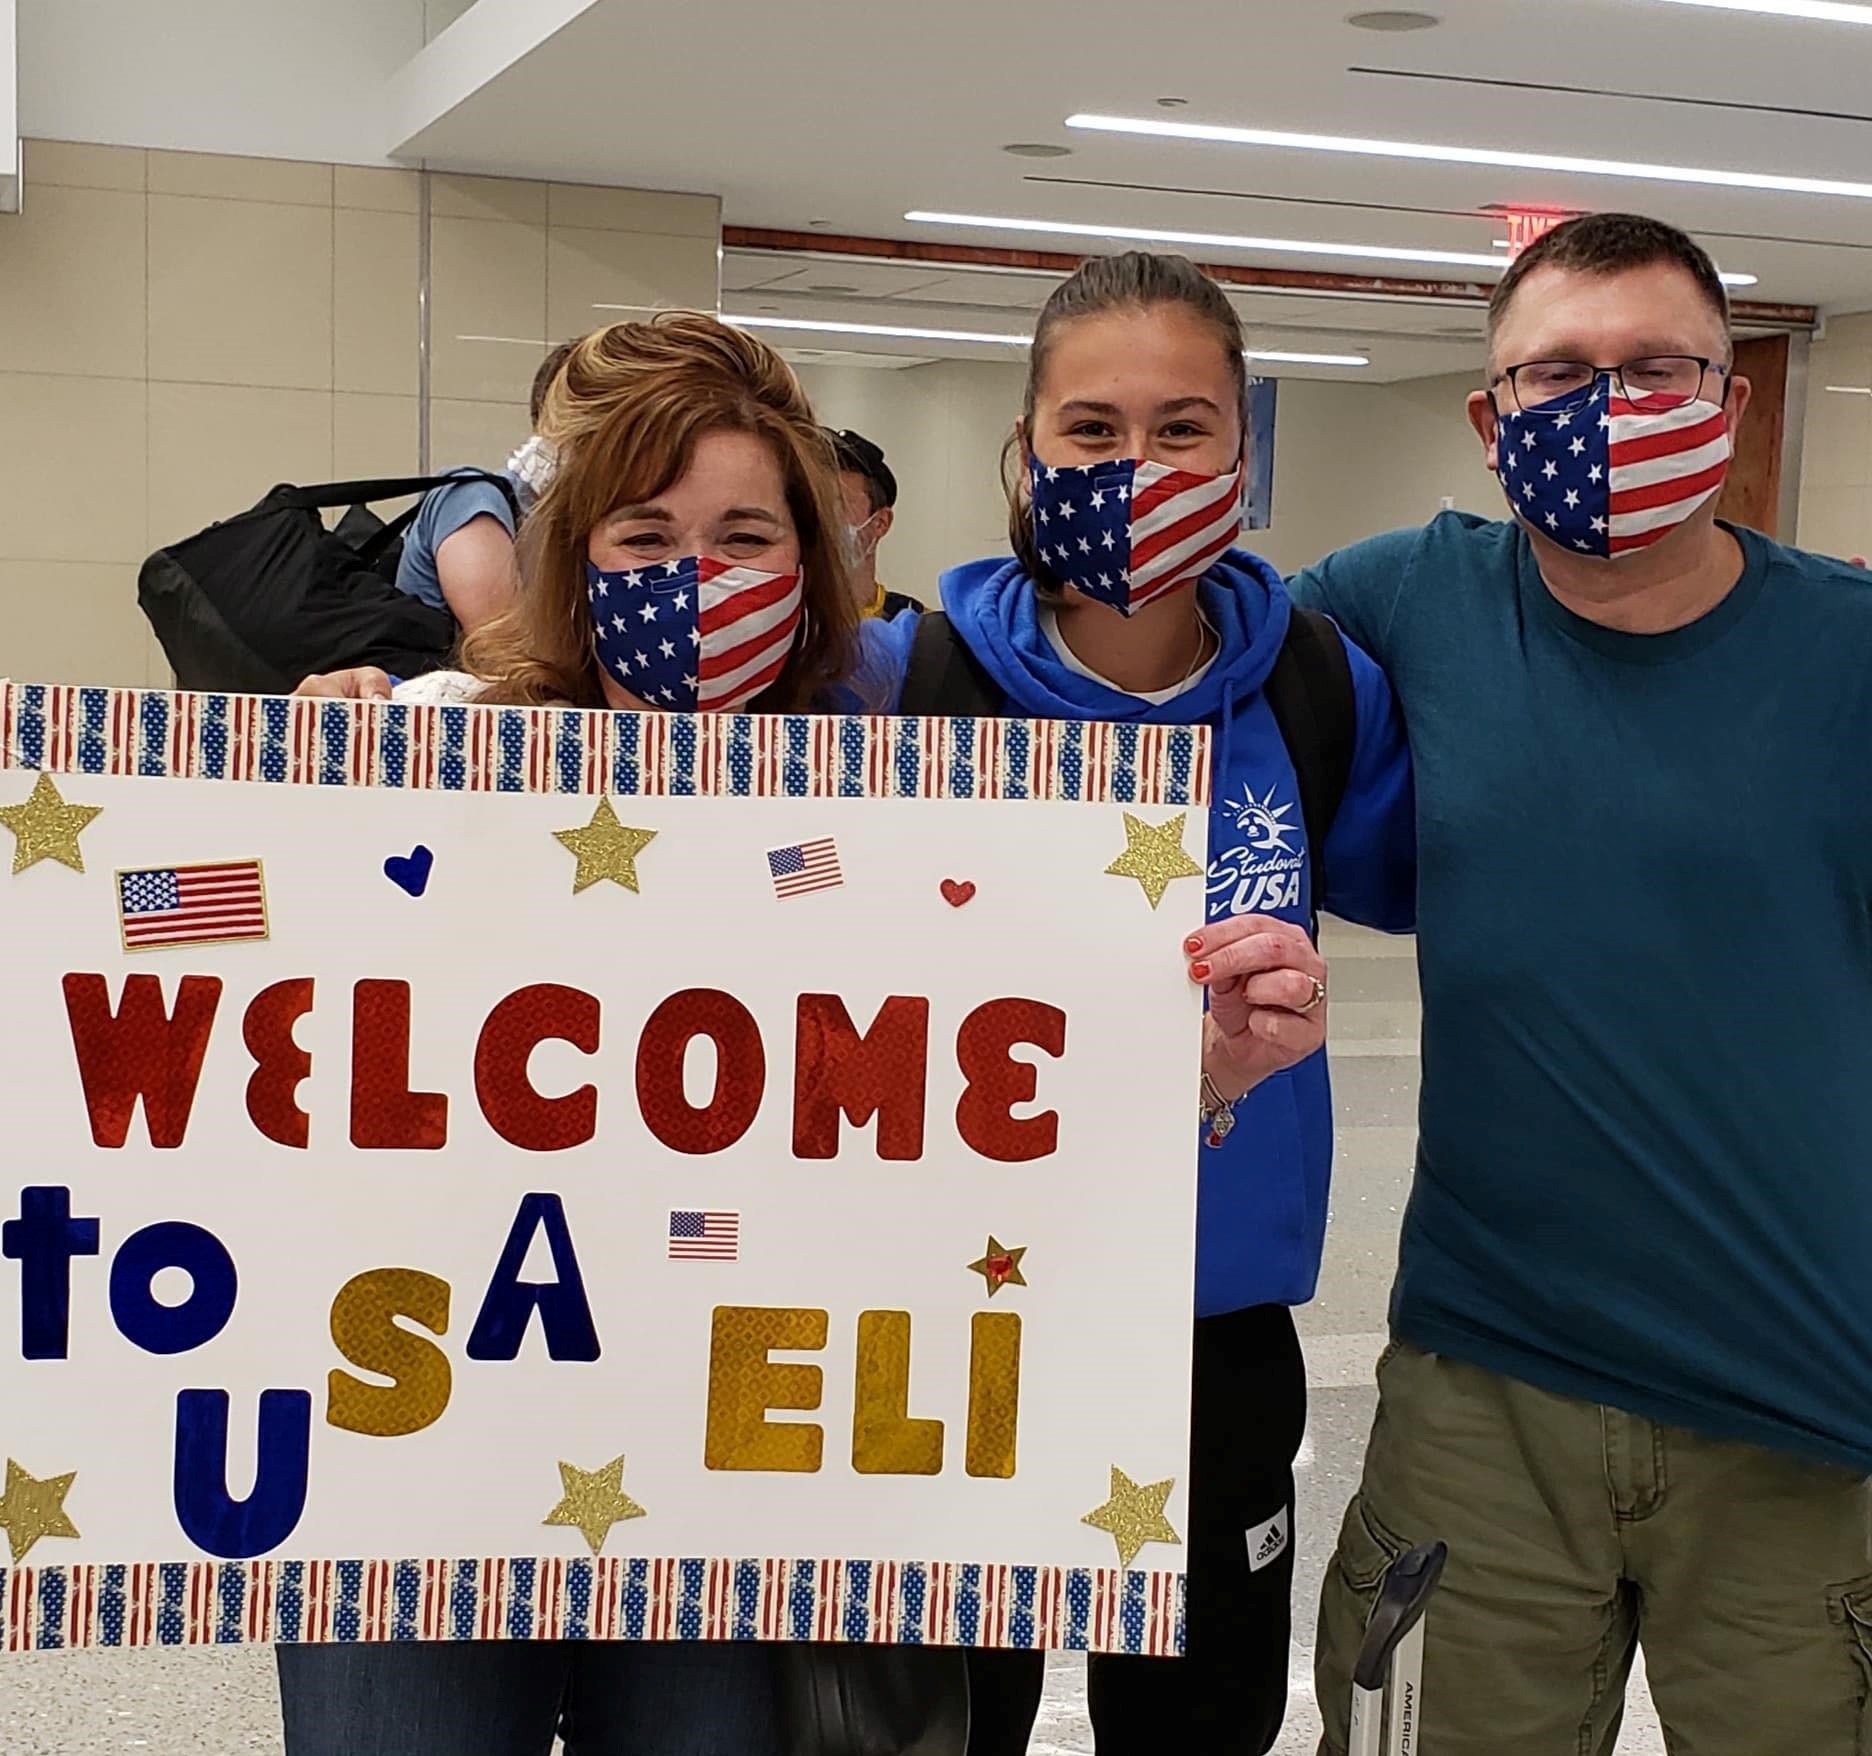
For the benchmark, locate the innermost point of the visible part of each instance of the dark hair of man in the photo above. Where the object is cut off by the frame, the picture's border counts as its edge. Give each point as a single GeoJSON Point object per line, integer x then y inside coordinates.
{"type": "Point", "coordinates": [550, 368]}
{"type": "Point", "coordinates": [1612, 243]}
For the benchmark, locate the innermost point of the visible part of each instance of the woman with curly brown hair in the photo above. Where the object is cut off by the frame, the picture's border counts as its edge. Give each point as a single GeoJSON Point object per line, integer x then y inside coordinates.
{"type": "Point", "coordinates": [687, 551]}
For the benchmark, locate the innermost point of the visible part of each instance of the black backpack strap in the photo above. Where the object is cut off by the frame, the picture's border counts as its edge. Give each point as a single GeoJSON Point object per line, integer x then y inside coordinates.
{"type": "Point", "coordinates": [328, 494]}
{"type": "Point", "coordinates": [1310, 693]}
{"type": "Point", "coordinates": [942, 675]}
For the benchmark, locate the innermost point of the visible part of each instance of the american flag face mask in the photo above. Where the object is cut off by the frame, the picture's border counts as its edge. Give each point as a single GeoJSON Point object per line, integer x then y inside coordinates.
{"type": "Point", "coordinates": [1128, 531]}
{"type": "Point", "coordinates": [695, 634]}
{"type": "Point", "coordinates": [1605, 474]}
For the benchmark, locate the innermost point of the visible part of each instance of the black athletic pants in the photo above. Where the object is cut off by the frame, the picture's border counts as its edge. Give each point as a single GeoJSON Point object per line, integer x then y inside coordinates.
{"type": "Point", "coordinates": [1228, 1694]}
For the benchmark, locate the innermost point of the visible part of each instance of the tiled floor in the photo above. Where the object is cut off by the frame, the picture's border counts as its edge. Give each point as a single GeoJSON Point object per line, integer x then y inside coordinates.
{"type": "Point", "coordinates": [184, 1704]}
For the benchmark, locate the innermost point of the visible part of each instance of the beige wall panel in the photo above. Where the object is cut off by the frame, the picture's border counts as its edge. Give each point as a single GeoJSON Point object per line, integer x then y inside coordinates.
{"type": "Point", "coordinates": [240, 179]}
{"type": "Point", "coordinates": [377, 190]}
{"type": "Point", "coordinates": [374, 436]}
{"type": "Point", "coordinates": [66, 164]}
{"type": "Point", "coordinates": [633, 210]}
{"type": "Point", "coordinates": [487, 278]}
{"type": "Point", "coordinates": [76, 622]}
{"type": "Point", "coordinates": [376, 302]}
{"type": "Point", "coordinates": [240, 293]}
{"type": "Point", "coordinates": [635, 269]}
{"type": "Point", "coordinates": [73, 486]}
{"type": "Point", "coordinates": [72, 286]}
{"type": "Point", "coordinates": [483, 434]}
{"type": "Point", "coordinates": [487, 198]}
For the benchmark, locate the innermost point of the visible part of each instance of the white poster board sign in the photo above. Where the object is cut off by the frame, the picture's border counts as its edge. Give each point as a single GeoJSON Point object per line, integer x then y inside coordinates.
{"type": "Point", "coordinates": [518, 1173]}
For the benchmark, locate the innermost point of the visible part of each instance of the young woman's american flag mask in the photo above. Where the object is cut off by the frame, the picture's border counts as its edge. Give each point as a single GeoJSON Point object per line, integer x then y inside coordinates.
{"type": "Point", "coordinates": [694, 634]}
{"type": "Point", "coordinates": [1128, 531]}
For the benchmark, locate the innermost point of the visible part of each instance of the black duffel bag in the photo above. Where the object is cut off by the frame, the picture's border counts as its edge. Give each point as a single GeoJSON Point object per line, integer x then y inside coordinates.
{"type": "Point", "coordinates": [261, 600]}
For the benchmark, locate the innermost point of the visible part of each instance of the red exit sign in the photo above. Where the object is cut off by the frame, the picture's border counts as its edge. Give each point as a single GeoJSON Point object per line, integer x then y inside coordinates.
{"type": "Point", "coordinates": [1525, 224]}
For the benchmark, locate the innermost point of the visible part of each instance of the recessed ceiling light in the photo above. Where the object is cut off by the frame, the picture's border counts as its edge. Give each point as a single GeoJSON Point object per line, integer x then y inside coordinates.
{"type": "Point", "coordinates": [1828, 11]}
{"type": "Point", "coordinates": [1495, 157]}
{"type": "Point", "coordinates": [1210, 240]}
{"type": "Point", "coordinates": [1037, 149]}
{"type": "Point", "coordinates": [898, 331]}
{"type": "Point", "coordinates": [1393, 20]}
{"type": "Point", "coordinates": [1500, 243]}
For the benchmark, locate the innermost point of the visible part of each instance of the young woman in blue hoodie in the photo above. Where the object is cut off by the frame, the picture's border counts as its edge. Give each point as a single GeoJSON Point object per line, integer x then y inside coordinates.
{"type": "Point", "coordinates": [1126, 600]}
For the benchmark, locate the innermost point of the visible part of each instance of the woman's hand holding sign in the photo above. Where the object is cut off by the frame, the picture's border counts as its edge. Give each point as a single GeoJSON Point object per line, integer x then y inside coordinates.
{"type": "Point", "coordinates": [1267, 999]}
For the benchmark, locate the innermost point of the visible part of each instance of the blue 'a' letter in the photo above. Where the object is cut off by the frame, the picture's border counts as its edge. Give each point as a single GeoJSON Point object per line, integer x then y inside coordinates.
{"type": "Point", "coordinates": [564, 1311]}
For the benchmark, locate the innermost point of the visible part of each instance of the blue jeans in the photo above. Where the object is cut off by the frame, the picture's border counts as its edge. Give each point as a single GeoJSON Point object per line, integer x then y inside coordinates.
{"type": "Point", "coordinates": [511, 1698]}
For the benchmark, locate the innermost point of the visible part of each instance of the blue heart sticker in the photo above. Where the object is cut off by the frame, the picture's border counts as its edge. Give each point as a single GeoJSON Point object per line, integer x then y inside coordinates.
{"type": "Point", "coordinates": [411, 872]}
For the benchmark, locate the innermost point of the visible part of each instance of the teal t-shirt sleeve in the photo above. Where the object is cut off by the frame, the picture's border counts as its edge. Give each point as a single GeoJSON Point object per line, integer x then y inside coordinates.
{"type": "Point", "coordinates": [1371, 849]}
{"type": "Point", "coordinates": [1358, 586]}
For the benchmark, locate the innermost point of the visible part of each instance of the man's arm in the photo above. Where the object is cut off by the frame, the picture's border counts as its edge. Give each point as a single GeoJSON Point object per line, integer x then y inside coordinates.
{"type": "Point", "coordinates": [1359, 587]}
{"type": "Point", "coordinates": [475, 565]}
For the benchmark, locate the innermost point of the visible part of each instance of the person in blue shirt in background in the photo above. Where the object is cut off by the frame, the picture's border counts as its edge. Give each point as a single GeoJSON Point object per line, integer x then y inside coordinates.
{"type": "Point", "coordinates": [458, 553]}
{"type": "Point", "coordinates": [1630, 1381]}
{"type": "Point", "coordinates": [1126, 601]}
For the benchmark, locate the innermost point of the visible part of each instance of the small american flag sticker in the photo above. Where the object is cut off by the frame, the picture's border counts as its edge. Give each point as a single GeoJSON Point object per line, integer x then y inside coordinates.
{"type": "Point", "coordinates": [704, 1236]}
{"type": "Point", "coordinates": [805, 866]}
{"type": "Point", "coordinates": [191, 905]}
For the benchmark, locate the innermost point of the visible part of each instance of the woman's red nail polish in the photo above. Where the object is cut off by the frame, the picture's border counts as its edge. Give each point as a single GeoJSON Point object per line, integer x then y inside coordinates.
{"type": "Point", "coordinates": [1193, 944]}
{"type": "Point", "coordinates": [1199, 972]}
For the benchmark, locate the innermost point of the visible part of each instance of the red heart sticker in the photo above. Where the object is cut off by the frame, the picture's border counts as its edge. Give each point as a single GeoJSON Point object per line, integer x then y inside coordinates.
{"type": "Point", "coordinates": [956, 894]}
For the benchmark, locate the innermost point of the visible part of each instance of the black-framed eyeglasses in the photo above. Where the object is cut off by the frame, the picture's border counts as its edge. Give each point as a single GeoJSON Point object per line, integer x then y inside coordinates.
{"type": "Point", "coordinates": [1657, 381]}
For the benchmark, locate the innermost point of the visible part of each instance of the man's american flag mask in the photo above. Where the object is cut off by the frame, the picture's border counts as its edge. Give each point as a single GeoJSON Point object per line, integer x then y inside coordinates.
{"type": "Point", "coordinates": [1126, 531]}
{"type": "Point", "coordinates": [1604, 474]}
{"type": "Point", "coordinates": [694, 634]}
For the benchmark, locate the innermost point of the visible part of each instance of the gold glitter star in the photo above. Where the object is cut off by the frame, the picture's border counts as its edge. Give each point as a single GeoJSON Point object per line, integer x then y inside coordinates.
{"type": "Point", "coordinates": [46, 828]}
{"type": "Point", "coordinates": [594, 1500]}
{"type": "Point", "coordinates": [606, 848]}
{"type": "Point", "coordinates": [1000, 1266]}
{"type": "Point", "coordinates": [1154, 855]}
{"type": "Point", "coordinates": [1134, 1515]}
{"type": "Point", "coordinates": [31, 1508]}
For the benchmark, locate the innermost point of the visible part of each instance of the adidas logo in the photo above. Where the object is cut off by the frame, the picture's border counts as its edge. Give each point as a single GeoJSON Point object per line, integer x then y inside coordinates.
{"type": "Point", "coordinates": [1268, 1542]}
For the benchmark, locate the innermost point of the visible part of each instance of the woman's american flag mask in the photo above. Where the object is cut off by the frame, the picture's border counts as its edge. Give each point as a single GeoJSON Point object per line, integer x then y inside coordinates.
{"type": "Point", "coordinates": [1127, 531]}
{"type": "Point", "coordinates": [695, 633]}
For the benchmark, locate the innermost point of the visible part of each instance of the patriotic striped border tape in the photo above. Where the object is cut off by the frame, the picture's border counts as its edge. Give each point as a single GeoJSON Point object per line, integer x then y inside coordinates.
{"type": "Point", "coordinates": [233, 1603]}
{"type": "Point", "coordinates": [72, 729]}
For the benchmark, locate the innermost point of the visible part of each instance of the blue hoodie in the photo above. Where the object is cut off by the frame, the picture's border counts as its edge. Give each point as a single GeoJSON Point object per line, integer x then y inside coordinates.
{"type": "Point", "coordinates": [1261, 1201]}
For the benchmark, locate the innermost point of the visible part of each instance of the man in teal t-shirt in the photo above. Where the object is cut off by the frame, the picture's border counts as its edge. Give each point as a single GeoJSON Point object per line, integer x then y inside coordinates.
{"type": "Point", "coordinates": [1630, 1381]}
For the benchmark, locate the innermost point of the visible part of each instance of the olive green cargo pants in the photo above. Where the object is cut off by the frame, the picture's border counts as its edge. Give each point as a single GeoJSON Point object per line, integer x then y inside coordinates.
{"type": "Point", "coordinates": [1576, 1532]}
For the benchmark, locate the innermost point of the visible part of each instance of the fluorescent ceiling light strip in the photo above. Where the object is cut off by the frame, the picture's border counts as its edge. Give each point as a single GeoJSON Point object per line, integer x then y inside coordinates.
{"type": "Point", "coordinates": [1828, 11]}
{"type": "Point", "coordinates": [1851, 389]}
{"type": "Point", "coordinates": [904, 332]}
{"type": "Point", "coordinates": [1210, 240]}
{"type": "Point", "coordinates": [1305, 359]}
{"type": "Point", "coordinates": [1233, 241]}
{"type": "Point", "coordinates": [898, 331]}
{"type": "Point", "coordinates": [1496, 157]}
{"type": "Point", "coordinates": [512, 341]}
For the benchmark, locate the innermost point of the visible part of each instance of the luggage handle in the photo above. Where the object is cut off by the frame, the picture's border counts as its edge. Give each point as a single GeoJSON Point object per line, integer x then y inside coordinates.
{"type": "Point", "coordinates": [1387, 1681]}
